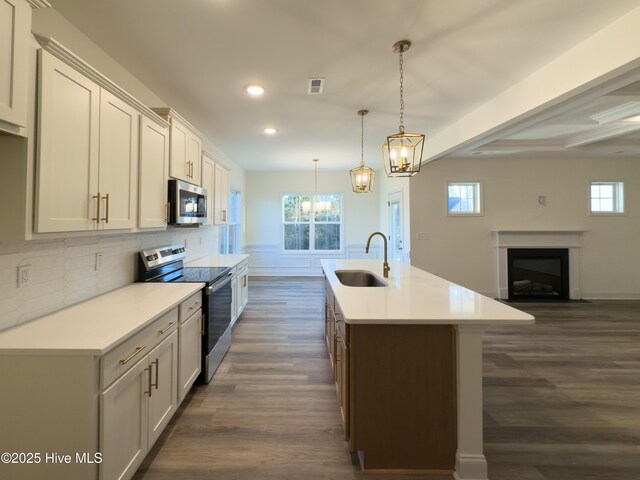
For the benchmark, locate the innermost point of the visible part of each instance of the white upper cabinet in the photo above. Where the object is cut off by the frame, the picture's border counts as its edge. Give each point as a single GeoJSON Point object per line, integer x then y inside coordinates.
{"type": "Point", "coordinates": [118, 163]}
{"type": "Point", "coordinates": [154, 174]}
{"type": "Point", "coordinates": [15, 27]}
{"type": "Point", "coordinates": [67, 148]}
{"type": "Point", "coordinates": [208, 182]}
{"type": "Point", "coordinates": [92, 148]}
{"type": "Point", "coordinates": [221, 196]}
{"type": "Point", "coordinates": [87, 154]}
{"type": "Point", "coordinates": [186, 147]}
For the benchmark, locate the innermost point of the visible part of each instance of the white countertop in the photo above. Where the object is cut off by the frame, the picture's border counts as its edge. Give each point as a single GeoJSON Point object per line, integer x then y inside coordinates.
{"type": "Point", "coordinates": [230, 260]}
{"type": "Point", "coordinates": [95, 326]}
{"type": "Point", "coordinates": [414, 296]}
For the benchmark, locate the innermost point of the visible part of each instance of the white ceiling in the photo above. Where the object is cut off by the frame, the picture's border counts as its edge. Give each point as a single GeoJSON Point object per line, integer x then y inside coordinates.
{"type": "Point", "coordinates": [199, 54]}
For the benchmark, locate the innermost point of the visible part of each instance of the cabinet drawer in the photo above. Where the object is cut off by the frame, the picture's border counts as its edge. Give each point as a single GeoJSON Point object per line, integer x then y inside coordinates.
{"type": "Point", "coordinates": [243, 265]}
{"type": "Point", "coordinates": [126, 355]}
{"type": "Point", "coordinates": [190, 305]}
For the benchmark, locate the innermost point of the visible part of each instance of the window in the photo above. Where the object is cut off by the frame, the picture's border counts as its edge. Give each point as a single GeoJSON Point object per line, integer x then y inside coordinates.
{"type": "Point", "coordinates": [607, 197]}
{"type": "Point", "coordinates": [312, 223]}
{"type": "Point", "coordinates": [463, 198]}
{"type": "Point", "coordinates": [230, 235]}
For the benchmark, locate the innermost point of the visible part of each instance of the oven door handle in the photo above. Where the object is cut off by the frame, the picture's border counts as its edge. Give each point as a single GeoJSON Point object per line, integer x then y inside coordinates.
{"type": "Point", "coordinates": [218, 285]}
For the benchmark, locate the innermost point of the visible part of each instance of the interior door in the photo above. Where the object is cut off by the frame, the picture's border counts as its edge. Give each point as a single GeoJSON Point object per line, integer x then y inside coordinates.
{"type": "Point", "coordinates": [395, 225]}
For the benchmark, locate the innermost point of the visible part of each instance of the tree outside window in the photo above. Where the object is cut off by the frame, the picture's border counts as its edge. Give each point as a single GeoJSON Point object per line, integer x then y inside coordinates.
{"type": "Point", "coordinates": [312, 223]}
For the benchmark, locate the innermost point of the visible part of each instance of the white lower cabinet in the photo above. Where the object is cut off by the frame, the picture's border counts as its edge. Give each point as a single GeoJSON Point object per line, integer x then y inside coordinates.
{"type": "Point", "coordinates": [135, 409]}
{"type": "Point", "coordinates": [190, 361]}
{"type": "Point", "coordinates": [124, 423]}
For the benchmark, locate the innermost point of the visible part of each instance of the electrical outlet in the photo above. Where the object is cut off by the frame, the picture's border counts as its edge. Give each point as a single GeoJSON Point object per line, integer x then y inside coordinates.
{"type": "Point", "coordinates": [24, 276]}
{"type": "Point", "coordinates": [99, 261]}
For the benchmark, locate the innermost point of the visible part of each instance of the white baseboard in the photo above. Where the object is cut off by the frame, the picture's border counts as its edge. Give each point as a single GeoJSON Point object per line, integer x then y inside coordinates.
{"type": "Point", "coordinates": [470, 467]}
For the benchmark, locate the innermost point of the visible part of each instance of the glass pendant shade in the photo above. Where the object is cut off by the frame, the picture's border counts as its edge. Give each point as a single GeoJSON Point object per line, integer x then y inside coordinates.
{"type": "Point", "coordinates": [362, 177]}
{"type": "Point", "coordinates": [402, 154]}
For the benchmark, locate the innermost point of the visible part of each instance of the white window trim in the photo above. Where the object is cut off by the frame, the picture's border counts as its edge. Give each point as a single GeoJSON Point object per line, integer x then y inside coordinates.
{"type": "Point", "coordinates": [480, 211]}
{"type": "Point", "coordinates": [607, 214]}
{"type": "Point", "coordinates": [341, 251]}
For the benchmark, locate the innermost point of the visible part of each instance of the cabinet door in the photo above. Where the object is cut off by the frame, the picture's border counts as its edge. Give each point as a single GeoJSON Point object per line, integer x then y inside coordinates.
{"type": "Point", "coordinates": [118, 179]}
{"type": "Point", "coordinates": [163, 361]}
{"type": "Point", "coordinates": [154, 174]}
{"type": "Point", "coordinates": [190, 338]}
{"type": "Point", "coordinates": [234, 300]}
{"type": "Point", "coordinates": [245, 289]}
{"type": "Point", "coordinates": [194, 158]}
{"type": "Point", "coordinates": [124, 423]}
{"type": "Point", "coordinates": [15, 26]}
{"type": "Point", "coordinates": [67, 150]}
{"type": "Point", "coordinates": [221, 196]}
{"type": "Point", "coordinates": [342, 380]}
{"type": "Point", "coordinates": [208, 179]}
{"type": "Point", "coordinates": [179, 139]}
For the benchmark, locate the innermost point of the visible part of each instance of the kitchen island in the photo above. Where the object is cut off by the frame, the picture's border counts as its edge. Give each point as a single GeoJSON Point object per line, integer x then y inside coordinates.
{"type": "Point", "coordinates": [407, 360]}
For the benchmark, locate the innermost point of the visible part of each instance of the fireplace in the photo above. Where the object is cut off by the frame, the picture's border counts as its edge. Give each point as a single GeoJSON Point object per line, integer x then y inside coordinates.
{"type": "Point", "coordinates": [569, 240]}
{"type": "Point", "coordinates": [538, 274]}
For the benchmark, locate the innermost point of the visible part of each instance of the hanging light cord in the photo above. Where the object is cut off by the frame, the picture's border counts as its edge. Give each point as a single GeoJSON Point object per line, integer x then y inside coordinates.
{"type": "Point", "coordinates": [401, 91]}
{"type": "Point", "coordinates": [362, 139]}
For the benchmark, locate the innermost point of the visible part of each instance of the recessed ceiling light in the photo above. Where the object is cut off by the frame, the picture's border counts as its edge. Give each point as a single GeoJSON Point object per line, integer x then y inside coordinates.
{"type": "Point", "coordinates": [270, 131]}
{"type": "Point", "coordinates": [255, 90]}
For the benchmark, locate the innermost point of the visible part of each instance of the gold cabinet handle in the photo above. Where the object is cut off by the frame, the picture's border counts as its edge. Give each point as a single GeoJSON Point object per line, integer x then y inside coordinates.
{"type": "Point", "coordinates": [202, 324]}
{"type": "Point", "coordinates": [99, 198]}
{"type": "Point", "coordinates": [106, 218]}
{"type": "Point", "coordinates": [190, 169]}
{"type": "Point", "coordinates": [171, 324]}
{"type": "Point", "coordinates": [157, 362]}
{"type": "Point", "coordinates": [124, 361]}
{"type": "Point", "coordinates": [186, 166]}
{"type": "Point", "coordinates": [148, 380]}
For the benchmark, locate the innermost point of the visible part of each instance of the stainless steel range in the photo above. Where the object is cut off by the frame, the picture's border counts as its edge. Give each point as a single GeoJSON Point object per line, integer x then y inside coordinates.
{"type": "Point", "coordinates": [165, 264]}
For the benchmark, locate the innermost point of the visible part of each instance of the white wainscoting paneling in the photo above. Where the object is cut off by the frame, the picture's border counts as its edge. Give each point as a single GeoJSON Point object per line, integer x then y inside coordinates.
{"type": "Point", "coordinates": [270, 260]}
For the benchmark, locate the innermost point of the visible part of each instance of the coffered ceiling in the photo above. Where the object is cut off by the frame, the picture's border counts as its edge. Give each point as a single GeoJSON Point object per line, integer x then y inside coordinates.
{"type": "Point", "coordinates": [197, 55]}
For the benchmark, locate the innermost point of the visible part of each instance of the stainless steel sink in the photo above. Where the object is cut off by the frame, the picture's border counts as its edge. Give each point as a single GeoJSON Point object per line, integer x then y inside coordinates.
{"type": "Point", "coordinates": [359, 278]}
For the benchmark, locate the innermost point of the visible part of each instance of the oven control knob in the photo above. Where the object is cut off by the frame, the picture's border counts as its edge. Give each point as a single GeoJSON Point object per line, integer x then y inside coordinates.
{"type": "Point", "coordinates": [155, 256]}
{"type": "Point", "coordinates": [149, 257]}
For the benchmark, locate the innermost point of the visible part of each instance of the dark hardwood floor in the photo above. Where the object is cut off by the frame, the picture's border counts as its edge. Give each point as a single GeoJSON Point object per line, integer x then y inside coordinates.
{"type": "Point", "coordinates": [562, 398]}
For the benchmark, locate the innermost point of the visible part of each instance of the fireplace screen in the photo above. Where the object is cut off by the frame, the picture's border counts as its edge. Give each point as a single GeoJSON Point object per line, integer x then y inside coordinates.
{"type": "Point", "coordinates": [538, 273]}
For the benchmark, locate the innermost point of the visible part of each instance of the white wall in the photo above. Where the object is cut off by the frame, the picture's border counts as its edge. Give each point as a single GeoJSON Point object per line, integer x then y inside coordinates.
{"type": "Point", "coordinates": [264, 220]}
{"type": "Point", "coordinates": [461, 249]}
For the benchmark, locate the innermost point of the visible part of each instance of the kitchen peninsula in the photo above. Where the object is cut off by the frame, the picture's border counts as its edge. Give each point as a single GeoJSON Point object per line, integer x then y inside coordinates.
{"type": "Point", "coordinates": [407, 359]}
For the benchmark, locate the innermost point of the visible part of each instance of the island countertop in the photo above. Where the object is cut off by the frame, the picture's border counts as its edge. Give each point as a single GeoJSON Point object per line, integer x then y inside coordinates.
{"type": "Point", "coordinates": [413, 296]}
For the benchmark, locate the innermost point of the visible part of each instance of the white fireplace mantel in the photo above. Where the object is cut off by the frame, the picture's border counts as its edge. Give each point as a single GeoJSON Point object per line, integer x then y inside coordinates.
{"type": "Point", "coordinates": [570, 239]}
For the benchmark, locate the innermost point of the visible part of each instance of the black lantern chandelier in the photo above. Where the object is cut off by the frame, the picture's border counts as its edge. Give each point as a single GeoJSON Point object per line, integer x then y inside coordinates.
{"type": "Point", "coordinates": [362, 177]}
{"type": "Point", "coordinates": [402, 152]}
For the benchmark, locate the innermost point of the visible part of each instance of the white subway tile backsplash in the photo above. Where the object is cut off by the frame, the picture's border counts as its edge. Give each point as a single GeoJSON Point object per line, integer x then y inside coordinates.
{"type": "Point", "coordinates": [63, 270]}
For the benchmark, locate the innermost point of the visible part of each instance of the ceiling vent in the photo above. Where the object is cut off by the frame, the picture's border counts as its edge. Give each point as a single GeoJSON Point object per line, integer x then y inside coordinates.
{"type": "Point", "coordinates": [316, 86]}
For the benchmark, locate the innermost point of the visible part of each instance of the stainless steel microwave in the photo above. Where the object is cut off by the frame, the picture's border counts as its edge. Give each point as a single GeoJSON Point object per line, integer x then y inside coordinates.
{"type": "Point", "coordinates": [188, 203]}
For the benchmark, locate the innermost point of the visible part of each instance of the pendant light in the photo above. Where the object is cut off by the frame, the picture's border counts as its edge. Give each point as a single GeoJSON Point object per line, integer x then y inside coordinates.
{"type": "Point", "coordinates": [362, 177]}
{"type": "Point", "coordinates": [402, 152]}
{"type": "Point", "coordinates": [318, 207]}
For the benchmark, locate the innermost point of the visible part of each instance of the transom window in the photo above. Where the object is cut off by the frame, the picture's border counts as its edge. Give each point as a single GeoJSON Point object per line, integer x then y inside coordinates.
{"type": "Point", "coordinates": [607, 197]}
{"type": "Point", "coordinates": [312, 223]}
{"type": "Point", "coordinates": [463, 198]}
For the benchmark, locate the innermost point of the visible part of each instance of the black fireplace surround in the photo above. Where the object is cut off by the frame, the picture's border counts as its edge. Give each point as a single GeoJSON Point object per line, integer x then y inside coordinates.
{"type": "Point", "coordinates": [538, 274]}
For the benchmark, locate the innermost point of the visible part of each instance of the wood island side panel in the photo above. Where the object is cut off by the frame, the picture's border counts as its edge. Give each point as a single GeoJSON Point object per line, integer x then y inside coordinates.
{"type": "Point", "coordinates": [403, 397]}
